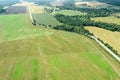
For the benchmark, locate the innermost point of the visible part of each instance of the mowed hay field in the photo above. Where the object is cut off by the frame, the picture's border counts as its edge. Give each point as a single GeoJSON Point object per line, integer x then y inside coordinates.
{"type": "Point", "coordinates": [112, 38]}
{"type": "Point", "coordinates": [110, 19]}
{"type": "Point", "coordinates": [32, 53]}
{"type": "Point", "coordinates": [45, 19]}
{"type": "Point", "coordinates": [70, 12]}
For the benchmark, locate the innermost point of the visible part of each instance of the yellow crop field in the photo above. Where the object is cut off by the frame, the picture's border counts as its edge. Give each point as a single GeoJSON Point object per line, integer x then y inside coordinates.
{"type": "Point", "coordinates": [112, 38]}
{"type": "Point", "coordinates": [37, 9]}
{"type": "Point", "coordinates": [110, 19]}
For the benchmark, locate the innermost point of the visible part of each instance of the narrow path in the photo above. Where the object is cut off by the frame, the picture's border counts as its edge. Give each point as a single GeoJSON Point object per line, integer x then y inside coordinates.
{"type": "Point", "coordinates": [107, 49]}
{"type": "Point", "coordinates": [30, 14]}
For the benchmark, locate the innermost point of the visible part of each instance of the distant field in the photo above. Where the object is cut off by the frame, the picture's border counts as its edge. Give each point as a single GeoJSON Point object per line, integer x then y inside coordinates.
{"type": "Point", "coordinates": [91, 3]}
{"type": "Point", "coordinates": [37, 9]}
{"type": "Point", "coordinates": [46, 19]}
{"type": "Point", "coordinates": [15, 10]}
{"type": "Point", "coordinates": [32, 53]}
{"type": "Point", "coordinates": [70, 12]}
{"type": "Point", "coordinates": [111, 19]}
{"type": "Point", "coordinates": [112, 38]}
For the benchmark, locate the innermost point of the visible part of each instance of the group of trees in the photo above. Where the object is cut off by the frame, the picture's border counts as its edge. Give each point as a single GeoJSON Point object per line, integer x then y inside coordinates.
{"type": "Point", "coordinates": [84, 20]}
{"type": "Point", "coordinates": [76, 29]}
{"type": "Point", "coordinates": [77, 23]}
{"type": "Point", "coordinates": [2, 10]}
{"type": "Point", "coordinates": [92, 12]}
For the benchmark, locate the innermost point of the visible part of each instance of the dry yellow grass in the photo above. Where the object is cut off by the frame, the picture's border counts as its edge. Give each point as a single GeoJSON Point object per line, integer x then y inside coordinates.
{"type": "Point", "coordinates": [110, 19]}
{"type": "Point", "coordinates": [37, 9]}
{"type": "Point", "coordinates": [112, 38]}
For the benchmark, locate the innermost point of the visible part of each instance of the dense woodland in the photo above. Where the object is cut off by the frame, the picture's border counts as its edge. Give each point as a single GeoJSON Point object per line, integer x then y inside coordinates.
{"type": "Point", "coordinates": [92, 12]}
{"type": "Point", "coordinates": [84, 20]}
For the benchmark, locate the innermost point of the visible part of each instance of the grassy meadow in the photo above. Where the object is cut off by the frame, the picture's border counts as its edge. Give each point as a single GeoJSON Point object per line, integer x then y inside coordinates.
{"type": "Point", "coordinates": [110, 19]}
{"type": "Point", "coordinates": [17, 26]}
{"type": "Point", "coordinates": [112, 38]}
{"type": "Point", "coordinates": [33, 53]}
{"type": "Point", "coordinates": [46, 19]}
{"type": "Point", "coordinates": [70, 12]}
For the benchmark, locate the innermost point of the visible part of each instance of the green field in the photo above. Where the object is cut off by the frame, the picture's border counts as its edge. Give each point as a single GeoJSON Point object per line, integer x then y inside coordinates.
{"type": "Point", "coordinates": [110, 19]}
{"type": "Point", "coordinates": [46, 19]}
{"type": "Point", "coordinates": [33, 53]}
{"type": "Point", "coordinates": [70, 12]}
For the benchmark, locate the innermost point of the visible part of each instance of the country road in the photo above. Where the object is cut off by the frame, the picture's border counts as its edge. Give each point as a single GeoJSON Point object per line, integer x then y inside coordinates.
{"type": "Point", "coordinates": [30, 14]}
{"type": "Point", "coordinates": [108, 50]}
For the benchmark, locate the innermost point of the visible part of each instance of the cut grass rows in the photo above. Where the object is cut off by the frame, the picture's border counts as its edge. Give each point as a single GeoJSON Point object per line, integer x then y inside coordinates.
{"type": "Point", "coordinates": [54, 55]}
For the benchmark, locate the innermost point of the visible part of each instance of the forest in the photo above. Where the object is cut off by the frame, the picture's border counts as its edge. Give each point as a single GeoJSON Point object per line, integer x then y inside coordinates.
{"type": "Point", "coordinates": [84, 20]}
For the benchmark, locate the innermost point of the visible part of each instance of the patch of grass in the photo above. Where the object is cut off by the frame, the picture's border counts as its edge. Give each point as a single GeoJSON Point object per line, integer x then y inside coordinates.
{"type": "Point", "coordinates": [45, 19]}
{"type": "Point", "coordinates": [70, 12]}
{"type": "Point", "coordinates": [36, 69]}
{"type": "Point", "coordinates": [15, 27]}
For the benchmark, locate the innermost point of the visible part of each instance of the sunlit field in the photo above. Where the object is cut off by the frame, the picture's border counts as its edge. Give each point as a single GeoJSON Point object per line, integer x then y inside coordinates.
{"type": "Point", "coordinates": [33, 53]}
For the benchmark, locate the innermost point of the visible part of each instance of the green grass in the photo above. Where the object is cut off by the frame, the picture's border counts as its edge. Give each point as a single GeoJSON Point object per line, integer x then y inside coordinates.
{"type": "Point", "coordinates": [70, 12]}
{"type": "Point", "coordinates": [17, 26]}
{"type": "Point", "coordinates": [46, 19]}
{"type": "Point", "coordinates": [52, 55]}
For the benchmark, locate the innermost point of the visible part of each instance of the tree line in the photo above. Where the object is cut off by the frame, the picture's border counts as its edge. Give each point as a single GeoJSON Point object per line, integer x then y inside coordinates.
{"type": "Point", "coordinates": [84, 20]}
{"type": "Point", "coordinates": [110, 47]}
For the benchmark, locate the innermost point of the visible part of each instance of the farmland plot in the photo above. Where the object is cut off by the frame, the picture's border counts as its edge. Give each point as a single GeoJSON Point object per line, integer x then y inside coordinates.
{"type": "Point", "coordinates": [45, 19]}
{"type": "Point", "coordinates": [33, 53]}
{"type": "Point", "coordinates": [110, 19]}
{"type": "Point", "coordinates": [16, 10]}
{"type": "Point", "coordinates": [112, 38]}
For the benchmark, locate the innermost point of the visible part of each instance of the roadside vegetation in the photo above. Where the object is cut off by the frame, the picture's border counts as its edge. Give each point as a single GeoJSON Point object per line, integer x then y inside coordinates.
{"type": "Point", "coordinates": [112, 38]}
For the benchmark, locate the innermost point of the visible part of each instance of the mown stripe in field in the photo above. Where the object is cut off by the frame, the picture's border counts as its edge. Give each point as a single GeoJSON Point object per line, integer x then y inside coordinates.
{"type": "Point", "coordinates": [17, 73]}
{"type": "Point", "coordinates": [35, 69]}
